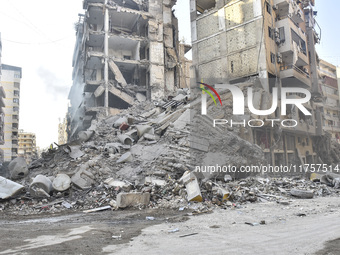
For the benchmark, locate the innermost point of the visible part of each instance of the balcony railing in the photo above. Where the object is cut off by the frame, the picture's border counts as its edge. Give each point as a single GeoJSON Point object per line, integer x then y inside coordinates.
{"type": "Point", "coordinates": [294, 67]}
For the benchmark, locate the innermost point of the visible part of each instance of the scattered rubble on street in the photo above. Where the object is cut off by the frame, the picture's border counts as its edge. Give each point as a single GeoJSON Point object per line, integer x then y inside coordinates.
{"type": "Point", "coordinates": [144, 158]}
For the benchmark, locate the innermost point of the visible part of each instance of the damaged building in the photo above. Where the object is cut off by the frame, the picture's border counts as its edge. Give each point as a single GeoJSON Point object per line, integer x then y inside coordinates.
{"type": "Point", "coordinates": [125, 51]}
{"type": "Point", "coordinates": [271, 42]}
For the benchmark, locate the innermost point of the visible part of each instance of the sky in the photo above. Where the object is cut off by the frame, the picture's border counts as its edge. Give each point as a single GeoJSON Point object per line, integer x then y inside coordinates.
{"type": "Point", "coordinates": [39, 36]}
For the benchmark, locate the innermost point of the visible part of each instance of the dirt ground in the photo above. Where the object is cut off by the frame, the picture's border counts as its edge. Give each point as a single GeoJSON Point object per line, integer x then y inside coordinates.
{"type": "Point", "coordinates": [296, 227]}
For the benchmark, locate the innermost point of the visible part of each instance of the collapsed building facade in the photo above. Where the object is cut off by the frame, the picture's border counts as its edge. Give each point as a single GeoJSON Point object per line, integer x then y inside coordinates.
{"type": "Point", "coordinates": [272, 41]}
{"type": "Point", "coordinates": [124, 50]}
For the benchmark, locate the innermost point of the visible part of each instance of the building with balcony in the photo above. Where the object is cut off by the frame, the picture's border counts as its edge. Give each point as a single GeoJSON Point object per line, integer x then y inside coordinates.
{"type": "Point", "coordinates": [123, 48]}
{"type": "Point", "coordinates": [273, 42]}
{"type": "Point", "coordinates": [10, 81]}
{"type": "Point", "coordinates": [27, 146]}
{"type": "Point", "coordinates": [330, 107]}
{"type": "Point", "coordinates": [2, 113]}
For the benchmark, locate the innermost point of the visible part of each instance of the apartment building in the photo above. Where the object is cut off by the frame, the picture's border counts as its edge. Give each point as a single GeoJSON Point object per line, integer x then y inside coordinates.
{"type": "Point", "coordinates": [27, 146]}
{"type": "Point", "coordinates": [10, 81]}
{"type": "Point", "coordinates": [62, 131]}
{"type": "Point", "coordinates": [272, 41]}
{"type": "Point", "coordinates": [2, 113]}
{"type": "Point", "coordinates": [123, 48]}
{"type": "Point", "coordinates": [330, 107]}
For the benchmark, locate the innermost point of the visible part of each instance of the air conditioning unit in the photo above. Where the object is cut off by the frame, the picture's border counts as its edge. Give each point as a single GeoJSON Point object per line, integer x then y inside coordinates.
{"type": "Point", "coordinates": [279, 58]}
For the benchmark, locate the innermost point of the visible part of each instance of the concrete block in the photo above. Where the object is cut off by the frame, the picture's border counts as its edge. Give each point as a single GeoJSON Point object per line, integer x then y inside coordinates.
{"type": "Point", "coordinates": [132, 199]}
{"type": "Point", "coordinates": [154, 181]}
{"type": "Point", "coordinates": [114, 183]}
{"type": "Point", "coordinates": [84, 136]}
{"type": "Point", "coordinates": [9, 188]}
{"type": "Point", "coordinates": [83, 179]}
{"type": "Point", "coordinates": [302, 193]}
{"type": "Point", "coordinates": [126, 157]}
{"type": "Point", "coordinates": [192, 187]}
{"type": "Point", "coordinates": [62, 182]}
{"type": "Point", "coordinates": [41, 186]}
{"type": "Point", "coordinates": [18, 168]}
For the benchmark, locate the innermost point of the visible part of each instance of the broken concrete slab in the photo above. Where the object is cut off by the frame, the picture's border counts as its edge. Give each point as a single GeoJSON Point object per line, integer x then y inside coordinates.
{"type": "Point", "coordinates": [302, 193]}
{"type": "Point", "coordinates": [126, 157]}
{"type": "Point", "coordinates": [154, 181]}
{"type": "Point", "coordinates": [41, 186]}
{"type": "Point", "coordinates": [118, 74]}
{"type": "Point", "coordinates": [192, 187]}
{"type": "Point", "coordinates": [18, 168]}
{"type": "Point", "coordinates": [140, 97]}
{"type": "Point", "coordinates": [142, 129]}
{"type": "Point", "coordinates": [132, 199]}
{"type": "Point", "coordinates": [99, 91]}
{"type": "Point", "coordinates": [114, 183]}
{"type": "Point", "coordinates": [84, 136]}
{"type": "Point", "coordinates": [75, 152]}
{"type": "Point", "coordinates": [83, 179]}
{"type": "Point", "coordinates": [62, 182]}
{"type": "Point", "coordinates": [9, 188]}
{"type": "Point", "coordinates": [120, 121]}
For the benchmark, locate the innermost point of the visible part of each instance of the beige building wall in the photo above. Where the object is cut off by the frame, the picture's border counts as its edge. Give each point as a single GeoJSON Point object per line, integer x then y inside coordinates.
{"type": "Point", "coordinates": [27, 146]}
{"type": "Point", "coordinates": [10, 81]}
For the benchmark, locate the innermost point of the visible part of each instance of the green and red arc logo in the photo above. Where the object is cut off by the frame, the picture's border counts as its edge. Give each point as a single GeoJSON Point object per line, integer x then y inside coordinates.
{"type": "Point", "coordinates": [209, 93]}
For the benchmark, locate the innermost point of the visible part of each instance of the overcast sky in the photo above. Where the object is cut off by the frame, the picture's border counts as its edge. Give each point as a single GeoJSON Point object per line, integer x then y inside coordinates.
{"type": "Point", "coordinates": [39, 36]}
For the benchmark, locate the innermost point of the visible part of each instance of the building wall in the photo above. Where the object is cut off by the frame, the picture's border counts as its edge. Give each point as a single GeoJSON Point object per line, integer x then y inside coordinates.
{"type": "Point", "coordinates": [120, 44]}
{"type": "Point", "coordinates": [234, 40]}
{"type": "Point", "coordinates": [27, 146]}
{"type": "Point", "coordinates": [10, 81]}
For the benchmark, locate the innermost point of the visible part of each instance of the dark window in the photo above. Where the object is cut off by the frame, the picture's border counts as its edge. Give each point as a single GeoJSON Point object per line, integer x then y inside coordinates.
{"type": "Point", "coordinates": [270, 33]}
{"type": "Point", "coordinates": [282, 34]}
{"type": "Point", "coordinates": [272, 57]}
{"type": "Point", "coordinates": [269, 8]}
{"type": "Point", "coordinates": [232, 66]}
{"type": "Point", "coordinates": [16, 100]}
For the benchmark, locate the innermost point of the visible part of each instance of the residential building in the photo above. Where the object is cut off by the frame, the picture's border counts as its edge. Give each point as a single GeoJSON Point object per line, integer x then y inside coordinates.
{"type": "Point", "coordinates": [272, 41]}
{"type": "Point", "coordinates": [330, 106]}
{"type": "Point", "coordinates": [62, 131]}
{"type": "Point", "coordinates": [10, 81]}
{"type": "Point", "coordinates": [2, 113]}
{"type": "Point", "coordinates": [123, 48]}
{"type": "Point", "coordinates": [27, 146]}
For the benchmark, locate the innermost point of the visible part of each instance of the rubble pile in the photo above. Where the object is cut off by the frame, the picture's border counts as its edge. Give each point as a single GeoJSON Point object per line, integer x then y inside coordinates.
{"type": "Point", "coordinates": [146, 157]}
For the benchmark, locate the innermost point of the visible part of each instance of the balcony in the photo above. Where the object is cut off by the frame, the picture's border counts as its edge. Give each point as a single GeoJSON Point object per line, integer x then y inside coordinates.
{"type": "Point", "coordinates": [292, 76]}
{"type": "Point", "coordinates": [287, 8]}
{"type": "Point", "coordinates": [292, 47]}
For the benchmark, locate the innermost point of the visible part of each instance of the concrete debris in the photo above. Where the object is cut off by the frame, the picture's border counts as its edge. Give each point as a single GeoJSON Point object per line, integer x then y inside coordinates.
{"type": "Point", "coordinates": [83, 179]}
{"type": "Point", "coordinates": [84, 136]}
{"type": "Point", "coordinates": [127, 157]}
{"type": "Point", "coordinates": [132, 199]}
{"type": "Point", "coordinates": [9, 188]}
{"type": "Point", "coordinates": [75, 152]}
{"type": "Point", "coordinates": [18, 168]}
{"type": "Point", "coordinates": [62, 182]}
{"type": "Point", "coordinates": [302, 193]}
{"type": "Point", "coordinates": [148, 156]}
{"type": "Point", "coordinates": [41, 186]}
